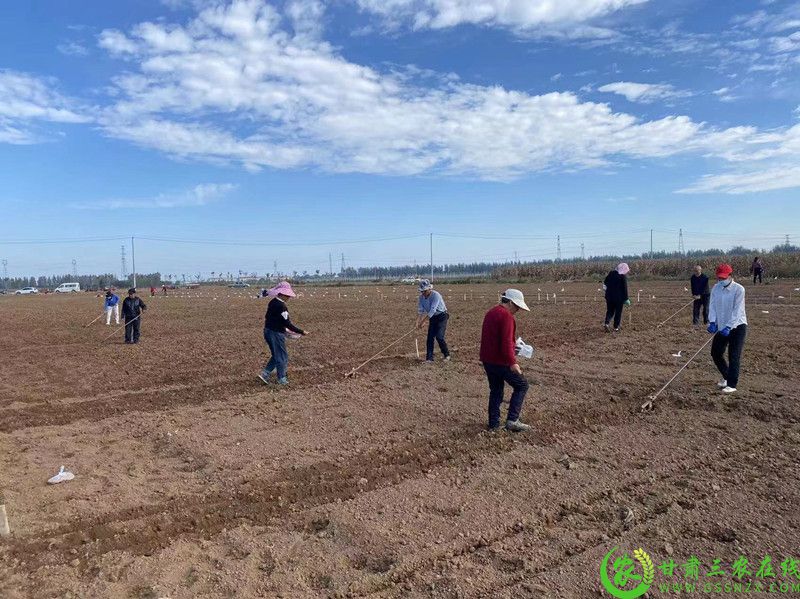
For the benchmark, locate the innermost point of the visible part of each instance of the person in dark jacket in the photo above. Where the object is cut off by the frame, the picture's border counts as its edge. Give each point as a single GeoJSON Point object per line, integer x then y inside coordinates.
{"type": "Point", "coordinates": [701, 294]}
{"type": "Point", "coordinates": [757, 268]}
{"type": "Point", "coordinates": [499, 357]}
{"type": "Point", "coordinates": [276, 325]}
{"type": "Point", "coordinates": [132, 308]}
{"type": "Point", "coordinates": [616, 286]}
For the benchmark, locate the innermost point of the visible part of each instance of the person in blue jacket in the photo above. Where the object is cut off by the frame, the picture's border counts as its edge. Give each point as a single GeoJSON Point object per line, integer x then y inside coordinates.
{"type": "Point", "coordinates": [111, 305]}
{"type": "Point", "coordinates": [431, 306]}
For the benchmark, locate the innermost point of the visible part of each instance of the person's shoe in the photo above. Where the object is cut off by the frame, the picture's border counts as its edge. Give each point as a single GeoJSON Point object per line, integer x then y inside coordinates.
{"type": "Point", "coordinates": [722, 384]}
{"type": "Point", "coordinates": [727, 389]}
{"type": "Point", "coordinates": [283, 381]}
{"type": "Point", "coordinates": [264, 378]}
{"type": "Point", "coordinates": [616, 330]}
{"type": "Point", "coordinates": [428, 361]}
{"type": "Point", "coordinates": [446, 358]}
{"type": "Point", "coordinates": [494, 429]}
{"type": "Point", "coordinates": [515, 426]}
{"type": "Point", "coordinates": [607, 328]}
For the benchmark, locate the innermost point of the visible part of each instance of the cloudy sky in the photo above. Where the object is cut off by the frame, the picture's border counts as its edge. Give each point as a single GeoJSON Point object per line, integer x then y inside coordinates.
{"type": "Point", "coordinates": [309, 127]}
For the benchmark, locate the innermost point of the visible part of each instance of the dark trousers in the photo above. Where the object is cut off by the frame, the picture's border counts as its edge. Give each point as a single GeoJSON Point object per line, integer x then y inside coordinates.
{"type": "Point", "coordinates": [698, 304]}
{"type": "Point", "coordinates": [734, 343]}
{"type": "Point", "coordinates": [614, 309]}
{"type": "Point", "coordinates": [132, 330]}
{"type": "Point", "coordinates": [498, 376]}
{"type": "Point", "coordinates": [437, 326]}
{"type": "Point", "coordinates": [277, 347]}
{"type": "Point", "coordinates": [757, 275]}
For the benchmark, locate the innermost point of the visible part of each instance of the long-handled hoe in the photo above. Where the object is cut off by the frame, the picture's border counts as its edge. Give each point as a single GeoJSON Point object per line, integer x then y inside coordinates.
{"type": "Point", "coordinates": [352, 373]}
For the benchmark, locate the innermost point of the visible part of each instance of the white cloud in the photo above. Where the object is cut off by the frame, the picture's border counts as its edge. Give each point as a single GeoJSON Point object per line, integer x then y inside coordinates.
{"type": "Point", "coordinates": [199, 195]}
{"type": "Point", "coordinates": [26, 101]}
{"type": "Point", "coordinates": [724, 94]}
{"type": "Point", "coordinates": [645, 93]}
{"type": "Point", "coordinates": [765, 161]}
{"type": "Point", "coordinates": [245, 84]}
{"type": "Point", "coordinates": [512, 14]}
{"type": "Point", "coordinates": [72, 49]}
{"type": "Point", "coordinates": [235, 85]}
{"type": "Point", "coordinates": [769, 179]}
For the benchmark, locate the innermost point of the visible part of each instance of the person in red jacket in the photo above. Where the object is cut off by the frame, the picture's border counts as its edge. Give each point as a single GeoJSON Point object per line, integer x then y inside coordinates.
{"type": "Point", "coordinates": [499, 357]}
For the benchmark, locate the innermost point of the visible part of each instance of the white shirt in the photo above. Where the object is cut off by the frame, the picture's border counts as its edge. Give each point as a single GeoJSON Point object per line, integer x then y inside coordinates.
{"type": "Point", "coordinates": [727, 305]}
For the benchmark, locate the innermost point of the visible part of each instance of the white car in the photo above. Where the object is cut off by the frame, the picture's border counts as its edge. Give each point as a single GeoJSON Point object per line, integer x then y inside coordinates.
{"type": "Point", "coordinates": [68, 288]}
{"type": "Point", "coordinates": [26, 291]}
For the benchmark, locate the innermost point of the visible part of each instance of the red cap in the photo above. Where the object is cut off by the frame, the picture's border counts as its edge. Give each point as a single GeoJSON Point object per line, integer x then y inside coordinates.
{"type": "Point", "coordinates": [724, 271]}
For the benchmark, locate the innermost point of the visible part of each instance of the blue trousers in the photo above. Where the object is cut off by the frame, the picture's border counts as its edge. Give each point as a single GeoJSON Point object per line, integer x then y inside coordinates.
{"type": "Point", "coordinates": [277, 347]}
{"type": "Point", "coordinates": [437, 327]}
{"type": "Point", "coordinates": [734, 343]}
{"type": "Point", "coordinates": [498, 376]}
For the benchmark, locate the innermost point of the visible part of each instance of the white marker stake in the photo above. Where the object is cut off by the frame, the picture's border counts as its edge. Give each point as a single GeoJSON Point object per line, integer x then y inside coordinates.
{"type": "Point", "coordinates": [639, 297]}
{"type": "Point", "coordinates": [4, 529]}
{"type": "Point", "coordinates": [416, 344]}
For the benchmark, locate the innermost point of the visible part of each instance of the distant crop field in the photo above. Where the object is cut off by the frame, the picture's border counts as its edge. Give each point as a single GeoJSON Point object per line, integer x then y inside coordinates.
{"type": "Point", "coordinates": [782, 266]}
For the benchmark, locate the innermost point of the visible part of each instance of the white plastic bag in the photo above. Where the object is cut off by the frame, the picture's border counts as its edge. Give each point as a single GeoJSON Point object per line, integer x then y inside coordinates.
{"type": "Point", "coordinates": [523, 350]}
{"type": "Point", "coordinates": [61, 477]}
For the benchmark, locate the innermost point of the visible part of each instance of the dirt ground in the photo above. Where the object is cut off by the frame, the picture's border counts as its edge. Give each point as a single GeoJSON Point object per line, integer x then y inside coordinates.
{"type": "Point", "coordinates": [193, 479]}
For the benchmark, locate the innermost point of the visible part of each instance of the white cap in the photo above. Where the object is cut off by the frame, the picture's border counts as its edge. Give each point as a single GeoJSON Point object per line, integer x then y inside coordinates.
{"type": "Point", "coordinates": [515, 296]}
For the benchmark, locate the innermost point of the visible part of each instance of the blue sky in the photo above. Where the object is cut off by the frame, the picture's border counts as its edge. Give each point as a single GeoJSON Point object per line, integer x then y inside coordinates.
{"type": "Point", "coordinates": [312, 123]}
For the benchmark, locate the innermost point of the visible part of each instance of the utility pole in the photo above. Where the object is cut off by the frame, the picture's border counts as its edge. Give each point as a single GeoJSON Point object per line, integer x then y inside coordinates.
{"type": "Point", "coordinates": [74, 268]}
{"type": "Point", "coordinates": [583, 253]}
{"type": "Point", "coordinates": [558, 248]}
{"type": "Point", "coordinates": [342, 263]}
{"type": "Point", "coordinates": [330, 263]}
{"type": "Point", "coordinates": [124, 265]}
{"type": "Point", "coordinates": [651, 244]}
{"type": "Point", "coordinates": [787, 242]}
{"type": "Point", "coordinates": [133, 261]}
{"type": "Point", "coordinates": [431, 257]}
{"type": "Point", "coordinates": [681, 248]}
{"type": "Point", "coordinates": [5, 273]}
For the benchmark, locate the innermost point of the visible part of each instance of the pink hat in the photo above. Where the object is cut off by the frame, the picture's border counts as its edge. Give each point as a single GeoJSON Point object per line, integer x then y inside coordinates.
{"type": "Point", "coordinates": [623, 268]}
{"type": "Point", "coordinates": [282, 288]}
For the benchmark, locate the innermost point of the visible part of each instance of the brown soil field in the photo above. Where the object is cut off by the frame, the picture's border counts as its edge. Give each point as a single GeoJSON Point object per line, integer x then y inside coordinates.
{"type": "Point", "coordinates": [193, 479]}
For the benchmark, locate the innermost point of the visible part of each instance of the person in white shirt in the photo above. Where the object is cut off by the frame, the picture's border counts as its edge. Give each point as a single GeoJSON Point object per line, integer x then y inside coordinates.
{"type": "Point", "coordinates": [728, 323]}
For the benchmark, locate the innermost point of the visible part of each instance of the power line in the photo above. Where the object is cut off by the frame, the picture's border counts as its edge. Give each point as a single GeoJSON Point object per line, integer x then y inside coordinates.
{"type": "Point", "coordinates": [280, 243]}
{"type": "Point", "coordinates": [57, 241]}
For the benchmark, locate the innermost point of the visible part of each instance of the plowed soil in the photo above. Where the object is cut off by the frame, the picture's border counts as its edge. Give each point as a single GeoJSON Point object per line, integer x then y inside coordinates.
{"type": "Point", "coordinates": [193, 479]}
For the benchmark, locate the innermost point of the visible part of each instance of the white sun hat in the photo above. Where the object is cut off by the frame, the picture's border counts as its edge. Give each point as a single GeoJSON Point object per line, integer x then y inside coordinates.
{"type": "Point", "coordinates": [515, 296]}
